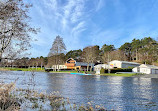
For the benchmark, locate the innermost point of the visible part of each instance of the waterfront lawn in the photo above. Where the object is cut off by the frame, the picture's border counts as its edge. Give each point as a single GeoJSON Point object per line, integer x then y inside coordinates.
{"type": "Point", "coordinates": [21, 69]}
{"type": "Point", "coordinates": [73, 71]}
{"type": "Point", "coordinates": [121, 74]}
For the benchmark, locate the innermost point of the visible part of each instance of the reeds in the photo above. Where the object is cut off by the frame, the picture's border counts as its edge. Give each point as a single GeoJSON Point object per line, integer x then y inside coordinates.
{"type": "Point", "coordinates": [7, 101]}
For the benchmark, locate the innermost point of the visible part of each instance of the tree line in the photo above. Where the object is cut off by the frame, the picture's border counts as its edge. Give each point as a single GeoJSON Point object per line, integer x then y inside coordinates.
{"type": "Point", "coordinates": [143, 50]}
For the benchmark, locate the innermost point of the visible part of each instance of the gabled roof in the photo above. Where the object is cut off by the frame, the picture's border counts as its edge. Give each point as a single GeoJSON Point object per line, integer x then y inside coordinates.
{"type": "Point", "coordinates": [126, 62]}
{"type": "Point", "coordinates": [71, 59]}
{"type": "Point", "coordinates": [148, 66]}
{"type": "Point", "coordinates": [83, 64]}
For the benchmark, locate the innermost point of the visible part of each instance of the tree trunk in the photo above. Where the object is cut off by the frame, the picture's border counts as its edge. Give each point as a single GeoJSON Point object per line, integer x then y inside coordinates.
{"type": "Point", "coordinates": [87, 66]}
{"type": "Point", "coordinates": [58, 67]}
{"type": "Point", "coordinates": [36, 66]}
{"type": "Point", "coordinates": [41, 66]}
{"type": "Point", "coordinates": [136, 55]}
{"type": "Point", "coordinates": [0, 57]}
{"type": "Point", "coordinates": [91, 68]}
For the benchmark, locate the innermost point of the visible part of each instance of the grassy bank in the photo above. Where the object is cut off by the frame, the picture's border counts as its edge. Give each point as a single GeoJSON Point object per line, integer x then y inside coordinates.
{"type": "Point", "coordinates": [123, 74]}
{"type": "Point", "coordinates": [38, 70]}
{"type": "Point", "coordinates": [66, 71]}
{"type": "Point", "coordinates": [21, 69]}
{"type": "Point", "coordinates": [72, 71]}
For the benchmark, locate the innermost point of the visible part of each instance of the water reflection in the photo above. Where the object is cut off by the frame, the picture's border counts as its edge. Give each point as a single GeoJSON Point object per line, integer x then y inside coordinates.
{"type": "Point", "coordinates": [119, 93]}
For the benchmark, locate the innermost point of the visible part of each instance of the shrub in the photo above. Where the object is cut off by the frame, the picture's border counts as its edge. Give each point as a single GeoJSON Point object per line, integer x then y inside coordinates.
{"type": "Point", "coordinates": [116, 70]}
{"type": "Point", "coordinates": [102, 71]}
{"type": "Point", "coordinates": [121, 70]}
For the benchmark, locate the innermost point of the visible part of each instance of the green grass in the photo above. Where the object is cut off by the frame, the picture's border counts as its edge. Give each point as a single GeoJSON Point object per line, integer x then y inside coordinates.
{"type": "Point", "coordinates": [124, 74]}
{"type": "Point", "coordinates": [22, 69]}
{"type": "Point", "coordinates": [70, 71]}
{"type": "Point", "coordinates": [67, 71]}
{"type": "Point", "coordinates": [38, 70]}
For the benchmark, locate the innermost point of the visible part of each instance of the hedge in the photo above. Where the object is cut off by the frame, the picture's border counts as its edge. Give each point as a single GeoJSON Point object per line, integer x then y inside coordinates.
{"type": "Point", "coordinates": [116, 70]}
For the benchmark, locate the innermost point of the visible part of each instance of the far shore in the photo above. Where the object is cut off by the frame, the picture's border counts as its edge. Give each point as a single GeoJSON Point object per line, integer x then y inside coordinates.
{"type": "Point", "coordinates": [67, 72]}
{"type": "Point", "coordinates": [121, 74]}
{"type": "Point", "coordinates": [22, 69]}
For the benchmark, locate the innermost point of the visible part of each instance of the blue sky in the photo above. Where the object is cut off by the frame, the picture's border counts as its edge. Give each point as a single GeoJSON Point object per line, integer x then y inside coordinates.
{"type": "Point", "coordinates": [84, 23]}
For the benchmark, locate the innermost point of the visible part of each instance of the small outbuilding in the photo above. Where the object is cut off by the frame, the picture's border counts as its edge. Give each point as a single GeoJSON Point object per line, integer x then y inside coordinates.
{"type": "Point", "coordinates": [146, 69]}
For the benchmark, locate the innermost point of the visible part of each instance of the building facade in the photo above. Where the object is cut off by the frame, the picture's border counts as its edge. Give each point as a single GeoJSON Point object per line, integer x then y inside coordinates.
{"type": "Point", "coordinates": [123, 64]}
{"type": "Point", "coordinates": [74, 64]}
{"type": "Point", "coordinates": [146, 69]}
{"type": "Point", "coordinates": [98, 67]}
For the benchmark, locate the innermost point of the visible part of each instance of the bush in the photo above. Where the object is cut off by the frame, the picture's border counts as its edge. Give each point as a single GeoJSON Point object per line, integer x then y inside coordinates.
{"type": "Point", "coordinates": [121, 70]}
{"type": "Point", "coordinates": [102, 71]}
{"type": "Point", "coordinates": [116, 70]}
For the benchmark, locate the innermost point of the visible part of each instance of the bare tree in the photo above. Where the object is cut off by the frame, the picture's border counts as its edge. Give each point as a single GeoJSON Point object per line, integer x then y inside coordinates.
{"type": "Point", "coordinates": [90, 54]}
{"type": "Point", "coordinates": [86, 56]}
{"type": "Point", "coordinates": [42, 61]}
{"type": "Point", "coordinates": [14, 27]}
{"type": "Point", "coordinates": [58, 47]}
{"type": "Point", "coordinates": [94, 54]}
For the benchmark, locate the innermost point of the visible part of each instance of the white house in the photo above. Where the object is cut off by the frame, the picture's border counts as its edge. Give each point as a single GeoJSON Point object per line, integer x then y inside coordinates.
{"type": "Point", "coordinates": [98, 67]}
{"type": "Point", "coordinates": [123, 64]}
{"type": "Point", "coordinates": [146, 69]}
{"type": "Point", "coordinates": [59, 67]}
{"type": "Point", "coordinates": [115, 64]}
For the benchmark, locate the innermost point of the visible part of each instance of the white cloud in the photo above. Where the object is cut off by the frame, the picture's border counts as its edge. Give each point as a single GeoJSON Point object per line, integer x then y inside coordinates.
{"type": "Point", "coordinates": [68, 20]}
{"type": "Point", "coordinates": [100, 4]}
{"type": "Point", "coordinates": [52, 4]}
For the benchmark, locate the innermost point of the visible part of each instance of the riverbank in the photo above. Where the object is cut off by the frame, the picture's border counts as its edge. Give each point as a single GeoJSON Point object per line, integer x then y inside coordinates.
{"type": "Point", "coordinates": [65, 71]}
{"type": "Point", "coordinates": [68, 72]}
{"type": "Point", "coordinates": [73, 71]}
{"type": "Point", "coordinates": [120, 74]}
{"type": "Point", "coordinates": [22, 69]}
{"type": "Point", "coordinates": [93, 73]}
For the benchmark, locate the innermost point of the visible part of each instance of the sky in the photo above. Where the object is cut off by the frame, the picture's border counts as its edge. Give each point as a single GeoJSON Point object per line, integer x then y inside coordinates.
{"type": "Point", "coordinates": [84, 23]}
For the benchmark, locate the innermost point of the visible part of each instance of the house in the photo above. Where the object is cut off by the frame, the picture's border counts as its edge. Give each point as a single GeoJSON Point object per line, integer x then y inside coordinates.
{"type": "Point", "coordinates": [123, 64]}
{"type": "Point", "coordinates": [60, 67]}
{"type": "Point", "coordinates": [115, 64]}
{"type": "Point", "coordinates": [146, 69]}
{"type": "Point", "coordinates": [76, 65]}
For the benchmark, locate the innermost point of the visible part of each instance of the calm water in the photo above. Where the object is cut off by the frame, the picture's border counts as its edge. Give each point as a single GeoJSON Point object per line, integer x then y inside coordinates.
{"type": "Point", "coordinates": [119, 93]}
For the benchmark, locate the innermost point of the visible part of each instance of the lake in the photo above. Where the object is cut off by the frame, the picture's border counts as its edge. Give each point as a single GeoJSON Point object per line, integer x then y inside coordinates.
{"type": "Point", "coordinates": [112, 92]}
